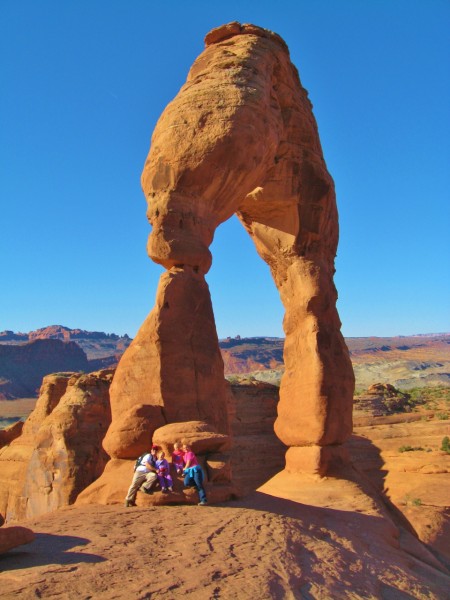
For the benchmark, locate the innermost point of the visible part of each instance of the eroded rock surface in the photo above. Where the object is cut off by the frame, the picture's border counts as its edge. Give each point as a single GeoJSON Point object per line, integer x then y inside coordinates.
{"type": "Point", "coordinates": [240, 137]}
{"type": "Point", "coordinates": [11, 537]}
{"type": "Point", "coordinates": [59, 451]}
{"type": "Point", "coordinates": [254, 456]}
{"type": "Point", "coordinates": [10, 433]}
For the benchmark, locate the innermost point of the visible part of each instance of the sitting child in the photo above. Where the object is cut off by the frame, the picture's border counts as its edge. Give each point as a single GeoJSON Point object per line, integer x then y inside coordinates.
{"type": "Point", "coordinates": [164, 478]}
{"type": "Point", "coordinates": [194, 474]}
{"type": "Point", "coordinates": [178, 458]}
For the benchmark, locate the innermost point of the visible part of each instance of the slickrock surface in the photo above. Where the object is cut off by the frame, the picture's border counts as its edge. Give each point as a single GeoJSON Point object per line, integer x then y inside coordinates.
{"type": "Point", "coordinates": [59, 451]}
{"type": "Point", "coordinates": [401, 456]}
{"type": "Point", "coordinates": [320, 539]}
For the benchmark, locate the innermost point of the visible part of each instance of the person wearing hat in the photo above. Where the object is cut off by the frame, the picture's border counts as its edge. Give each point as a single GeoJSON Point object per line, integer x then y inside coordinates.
{"type": "Point", "coordinates": [144, 477]}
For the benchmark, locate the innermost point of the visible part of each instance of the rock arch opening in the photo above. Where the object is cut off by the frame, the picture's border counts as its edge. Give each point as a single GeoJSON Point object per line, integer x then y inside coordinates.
{"type": "Point", "coordinates": [245, 300]}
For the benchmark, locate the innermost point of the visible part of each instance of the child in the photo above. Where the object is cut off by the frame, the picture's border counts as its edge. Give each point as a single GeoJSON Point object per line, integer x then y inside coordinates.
{"type": "Point", "coordinates": [194, 474]}
{"type": "Point", "coordinates": [164, 478]}
{"type": "Point", "coordinates": [178, 458]}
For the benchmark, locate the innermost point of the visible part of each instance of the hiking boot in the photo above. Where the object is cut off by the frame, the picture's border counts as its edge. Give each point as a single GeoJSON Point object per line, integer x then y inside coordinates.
{"type": "Point", "coordinates": [129, 503]}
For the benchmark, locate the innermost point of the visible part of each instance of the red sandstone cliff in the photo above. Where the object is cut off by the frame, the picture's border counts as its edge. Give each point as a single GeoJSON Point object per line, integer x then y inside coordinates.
{"type": "Point", "coordinates": [23, 367]}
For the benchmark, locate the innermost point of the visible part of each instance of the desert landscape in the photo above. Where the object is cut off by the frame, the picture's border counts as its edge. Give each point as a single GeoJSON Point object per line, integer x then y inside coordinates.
{"type": "Point", "coordinates": [376, 529]}
{"type": "Point", "coordinates": [407, 362]}
{"type": "Point", "coordinates": [325, 461]}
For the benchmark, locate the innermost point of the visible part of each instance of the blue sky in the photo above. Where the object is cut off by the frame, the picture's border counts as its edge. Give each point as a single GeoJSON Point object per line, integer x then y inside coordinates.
{"type": "Point", "coordinates": [82, 86]}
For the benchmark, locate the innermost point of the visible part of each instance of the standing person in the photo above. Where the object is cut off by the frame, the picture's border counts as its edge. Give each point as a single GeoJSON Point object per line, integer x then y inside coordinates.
{"type": "Point", "coordinates": [178, 458]}
{"type": "Point", "coordinates": [193, 474]}
{"type": "Point", "coordinates": [163, 470]}
{"type": "Point", "coordinates": [144, 475]}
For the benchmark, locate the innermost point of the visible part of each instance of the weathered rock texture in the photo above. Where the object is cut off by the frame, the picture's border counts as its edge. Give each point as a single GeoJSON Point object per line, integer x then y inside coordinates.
{"type": "Point", "coordinates": [240, 137]}
{"type": "Point", "coordinates": [11, 537]}
{"type": "Point", "coordinates": [59, 452]}
{"type": "Point", "coordinates": [255, 456]}
{"type": "Point", "coordinates": [257, 453]}
{"type": "Point", "coordinates": [10, 433]}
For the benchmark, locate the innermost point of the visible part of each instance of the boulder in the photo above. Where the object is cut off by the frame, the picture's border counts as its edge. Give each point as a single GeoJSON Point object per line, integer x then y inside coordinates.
{"type": "Point", "coordinates": [11, 537]}
{"type": "Point", "coordinates": [201, 436]}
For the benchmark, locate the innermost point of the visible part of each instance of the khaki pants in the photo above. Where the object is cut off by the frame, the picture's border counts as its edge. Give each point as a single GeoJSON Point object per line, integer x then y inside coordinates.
{"type": "Point", "coordinates": [139, 478]}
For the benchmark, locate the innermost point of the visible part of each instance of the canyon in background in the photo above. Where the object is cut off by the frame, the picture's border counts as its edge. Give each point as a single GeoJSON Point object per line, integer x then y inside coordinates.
{"type": "Point", "coordinates": [406, 362]}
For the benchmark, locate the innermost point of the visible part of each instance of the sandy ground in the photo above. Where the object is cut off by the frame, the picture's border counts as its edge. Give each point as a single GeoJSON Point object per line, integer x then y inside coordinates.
{"type": "Point", "coordinates": [17, 408]}
{"type": "Point", "coordinates": [294, 538]}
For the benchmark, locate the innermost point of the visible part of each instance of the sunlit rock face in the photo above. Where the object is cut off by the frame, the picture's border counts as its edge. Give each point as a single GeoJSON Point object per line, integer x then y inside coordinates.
{"type": "Point", "coordinates": [59, 451]}
{"type": "Point", "coordinates": [239, 137]}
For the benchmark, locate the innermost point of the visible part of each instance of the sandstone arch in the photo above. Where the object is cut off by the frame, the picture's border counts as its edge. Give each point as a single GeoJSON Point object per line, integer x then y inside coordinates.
{"type": "Point", "coordinates": [240, 137]}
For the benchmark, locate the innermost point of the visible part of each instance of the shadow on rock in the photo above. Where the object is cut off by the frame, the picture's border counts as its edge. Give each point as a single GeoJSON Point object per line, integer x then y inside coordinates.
{"type": "Point", "coordinates": [48, 549]}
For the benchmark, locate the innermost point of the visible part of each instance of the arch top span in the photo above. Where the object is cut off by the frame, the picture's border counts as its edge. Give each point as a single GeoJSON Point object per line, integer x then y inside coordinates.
{"type": "Point", "coordinates": [240, 137]}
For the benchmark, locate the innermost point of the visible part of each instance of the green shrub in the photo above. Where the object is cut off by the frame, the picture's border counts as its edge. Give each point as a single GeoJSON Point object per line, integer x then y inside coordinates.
{"type": "Point", "coordinates": [442, 416]}
{"type": "Point", "coordinates": [445, 447]}
{"type": "Point", "coordinates": [408, 500]}
{"type": "Point", "coordinates": [409, 448]}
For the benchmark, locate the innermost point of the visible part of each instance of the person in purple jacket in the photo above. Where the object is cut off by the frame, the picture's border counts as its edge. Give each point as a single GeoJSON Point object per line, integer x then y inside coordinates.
{"type": "Point", "coordinates": [163, 472]}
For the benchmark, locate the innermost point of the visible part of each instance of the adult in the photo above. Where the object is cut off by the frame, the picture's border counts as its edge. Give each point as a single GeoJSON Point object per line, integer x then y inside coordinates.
{"type": "Point", "coordinates": [144, 477]}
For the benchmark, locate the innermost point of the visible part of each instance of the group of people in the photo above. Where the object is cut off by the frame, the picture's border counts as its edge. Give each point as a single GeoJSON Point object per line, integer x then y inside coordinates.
{"type": "Point", "coordinates": [153, 467]}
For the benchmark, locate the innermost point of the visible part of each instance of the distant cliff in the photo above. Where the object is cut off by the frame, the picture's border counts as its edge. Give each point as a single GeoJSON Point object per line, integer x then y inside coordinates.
{"type": "Point", "coordinates": [405, 361]}
{"type": "Point", "coordinates": [244, 355]}
{"type": "Point", "coordinates": [22, 367]}
{"type": "Point", "coordinates": [97, 344]}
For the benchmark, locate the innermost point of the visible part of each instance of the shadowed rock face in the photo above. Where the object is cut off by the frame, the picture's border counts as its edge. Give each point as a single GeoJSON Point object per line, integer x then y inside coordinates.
{"type": "Point", "coordinates": [240, 137]}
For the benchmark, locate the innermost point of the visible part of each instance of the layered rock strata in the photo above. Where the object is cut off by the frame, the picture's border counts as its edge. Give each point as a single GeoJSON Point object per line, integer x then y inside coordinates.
{"type": "Point", "coordinates": [59, 451]}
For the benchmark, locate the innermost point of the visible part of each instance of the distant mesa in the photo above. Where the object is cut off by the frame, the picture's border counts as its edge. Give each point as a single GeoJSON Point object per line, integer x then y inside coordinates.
{"type": "Point", "coordinates": [25, 358]}
{"type": "Point", "coordinates": [22, 367]}
{"type": "Point", "coordinates": [59, 332]}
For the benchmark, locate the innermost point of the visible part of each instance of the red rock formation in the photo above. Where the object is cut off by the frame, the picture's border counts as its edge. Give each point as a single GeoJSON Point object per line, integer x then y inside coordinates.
{"type": "Point", "coordinates": [10, 433]}
{"type": "Point", "coordinates": [240, 137]}
{"type": "Point", "coordinates": [256, 453]}
{"type": "Point", "coordinates": [172, 371]}
{"type": "Point", "coordinates": [11, 537]}
{"type": "Point", "coordinates": [59, 452]}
